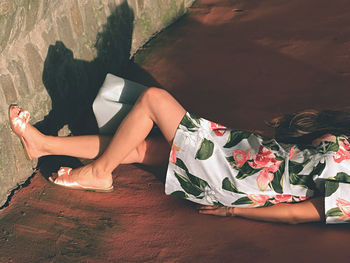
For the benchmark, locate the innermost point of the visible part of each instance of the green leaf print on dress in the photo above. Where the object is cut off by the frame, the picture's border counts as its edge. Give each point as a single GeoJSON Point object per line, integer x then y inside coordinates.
{"type": "Point", "coordinates": [303, 180]}
{"type": "Point", "coordinates": [342, 177]}
{"type": "Point", "coordinates": [332, 183]}
{"type": "Point", "coordinates": [205, 150]}
{"type": "Point", "coordinates": [191, 185]}
{"type": "Point", "coordinates": [341, 212]}
{"type": "Point", "coordinates": [195, 118]}
{"type": "Point", "coordinates": [231, 161]}
{"type": "Point", "coordinates": [227, 185]}
{"type": "Point", "coordinates": [180, 194]}
{"type": "Point", "coordinates": [328, 146]}
{"type": "Point", "coordinates": [246, 170]}
{"type": "Point", "coordinates": [277, 181]}
{"type": "Point", "coordinates": [243, 201]}
{"type": "Point", "coordinates": [333, 147]}
{"type": "Point", "coordinates": [235, 138]}
{"type": "Point", "coordinates": [188, 186]}
{"type": "Point", "coordinates": [271, 144]}
{"type": "Point", "coordinates": [181, 164]}
{"type": "Point", "coordinates": [188, 123]}
{"type": "Point", "coordinates": [194, 179]}
{"type": "Point", "coordinates": [334, 212]}
{"type": "Point", "coordinates": [295, 167]}
{"type": "Point", "coordinates": [330, 187]}
{"type": "Point", "coordinates": [318, 169]}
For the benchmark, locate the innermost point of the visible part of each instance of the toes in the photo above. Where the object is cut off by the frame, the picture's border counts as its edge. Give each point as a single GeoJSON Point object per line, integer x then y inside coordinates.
{"type": "Point", "coordinates": [14, 111]}
{"type": "Point", "coordinates": [62, 176]}
{"type": "Point", "coordinates": [53, 177]}
{"type": "Point", "coordinates": [64, 170]}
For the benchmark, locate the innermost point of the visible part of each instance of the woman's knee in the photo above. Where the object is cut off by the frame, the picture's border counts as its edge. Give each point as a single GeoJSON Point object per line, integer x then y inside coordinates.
{"type": "Point", "coordinates": [153, 96]}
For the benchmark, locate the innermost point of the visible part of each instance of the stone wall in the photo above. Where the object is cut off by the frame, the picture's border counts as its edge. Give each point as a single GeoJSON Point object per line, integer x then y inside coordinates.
{"type": "Point", "coordinates": [55, 53]}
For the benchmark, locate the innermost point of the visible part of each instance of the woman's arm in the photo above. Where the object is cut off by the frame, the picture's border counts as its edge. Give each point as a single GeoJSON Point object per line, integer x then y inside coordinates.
{"type": "Point", "coordinates": [311, 210]}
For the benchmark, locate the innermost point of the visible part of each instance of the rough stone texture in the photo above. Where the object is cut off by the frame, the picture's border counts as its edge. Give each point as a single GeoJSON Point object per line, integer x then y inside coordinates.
{"type": "Point", "coordinates": [55, 54]}
{"type": "Point", "coordinates": [8, 88]}
{"type": "Point", "coordinates": [33, 60]}
{"type": "Point", "coordinates": [20, 78]}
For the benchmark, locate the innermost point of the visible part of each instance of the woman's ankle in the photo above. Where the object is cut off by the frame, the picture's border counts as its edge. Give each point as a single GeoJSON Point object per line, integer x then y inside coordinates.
{"type": "Point", "coordinates": [35, 142]}
{"type": "Point", "coordinates": [99, 170]}
{"type": "Point", "coordinates": [102, 176]}
{"type": "Point", "coordinates": [43, 146]}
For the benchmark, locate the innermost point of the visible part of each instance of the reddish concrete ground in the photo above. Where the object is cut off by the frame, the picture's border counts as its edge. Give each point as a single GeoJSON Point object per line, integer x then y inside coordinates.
{"type": "Point", "coordinates": [236, 62]}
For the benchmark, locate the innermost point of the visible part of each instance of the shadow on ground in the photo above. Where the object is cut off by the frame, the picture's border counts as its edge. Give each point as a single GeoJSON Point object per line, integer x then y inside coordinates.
{"type": "Point", "coordinates": [73, 83]}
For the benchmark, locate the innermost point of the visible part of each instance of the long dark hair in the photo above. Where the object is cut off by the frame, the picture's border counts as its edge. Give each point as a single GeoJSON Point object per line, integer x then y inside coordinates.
{"type": "Point", "coordinates": [305, 126]}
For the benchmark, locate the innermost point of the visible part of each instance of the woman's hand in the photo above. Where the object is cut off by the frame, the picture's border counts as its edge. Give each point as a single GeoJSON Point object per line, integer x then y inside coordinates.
{"type": "Point", "coordinates": [216, 210]}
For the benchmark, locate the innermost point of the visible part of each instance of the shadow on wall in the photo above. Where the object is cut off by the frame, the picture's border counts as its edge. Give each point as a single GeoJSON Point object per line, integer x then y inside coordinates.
{"type": "Point", "coordinates": [72, 84]}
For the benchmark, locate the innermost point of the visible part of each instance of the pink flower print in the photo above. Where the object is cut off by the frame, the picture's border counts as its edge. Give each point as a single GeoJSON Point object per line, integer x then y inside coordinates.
{"type": "Point", "coordinates": [218, 129]}
{"type": "Point", "coordinates": [172, 157]}
{"type": "Point", "coordinates": [283, 199]}
{"type": "Point", "coordinates": [174, 149]}
{"type": "Point", "coordinates": [264, 178]}
{"type": "Point", "coordinates": [258, 200]}
{"type": "Point", "coordinates": [266, 175]}
{"type": "Point", "coordinates": [240, 157]}
{"type": "Point", "coordinates": [324, 138]}
{"type": "Point", "coordinates": [273, 167]}
{"type": "Point", "coordinates": [345, 144]}
{"type": "Point", "coordinates": [263, 158]}
{"type": "Point", "coordinates": [344, 206]}
{"type": "Point", "coordinates": [339, 156]}
{"type": "Point", "coordinates": [343, 152]}
{"type": "Point", "coordinates": [300, 198]}
{"type": "Point", "coordinates": [292, 153]}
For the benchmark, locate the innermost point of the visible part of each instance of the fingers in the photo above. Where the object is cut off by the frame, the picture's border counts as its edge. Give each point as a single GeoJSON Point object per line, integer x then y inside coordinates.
{"type": "Point", "coordinates": [207, 212]}
{"type": "Point", "coordinates": [211, 210]}
{"type": "Point", "coordinates": [216, 210]}
{"type": "Point", "coordinates": [207, 207]}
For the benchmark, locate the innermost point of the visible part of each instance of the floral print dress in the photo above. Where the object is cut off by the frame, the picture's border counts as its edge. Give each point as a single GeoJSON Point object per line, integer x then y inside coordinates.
{"type": "Point", "coordinates": [212, 165]}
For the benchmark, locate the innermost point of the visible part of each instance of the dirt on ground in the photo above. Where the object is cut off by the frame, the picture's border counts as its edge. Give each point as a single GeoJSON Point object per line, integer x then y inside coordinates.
{"type": "Point", "coordinates": [238, 63]}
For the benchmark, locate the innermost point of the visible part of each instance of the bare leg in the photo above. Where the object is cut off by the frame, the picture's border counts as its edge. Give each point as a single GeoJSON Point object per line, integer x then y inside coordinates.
{"type": "Point", "coordinates": [154, 106]}
{"type": "Point", "coordinates": [87, 146]}
{"type": "Point", "coordinates": [128, 144]}
{"type": "Point", "coordinates": [152, 151]}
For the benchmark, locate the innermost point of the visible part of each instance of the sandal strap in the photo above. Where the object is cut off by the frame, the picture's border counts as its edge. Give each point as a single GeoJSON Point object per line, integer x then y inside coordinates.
{"type": "Point", "coordinates": [21, 121]}
{"type": "Point", "coordinates": [63, 179]}
{"type": "Point", "coordinates": [64, 170]}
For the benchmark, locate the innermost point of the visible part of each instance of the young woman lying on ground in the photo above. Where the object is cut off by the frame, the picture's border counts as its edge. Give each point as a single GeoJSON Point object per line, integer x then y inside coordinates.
{"type": "Point", "coordinates": [302, 175]}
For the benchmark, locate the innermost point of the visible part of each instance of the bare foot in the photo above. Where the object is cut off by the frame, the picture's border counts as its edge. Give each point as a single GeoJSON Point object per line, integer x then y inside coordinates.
{"type": "Point", "coordinates": [32, 139]}
{"type": "Point", "coordinates": [83, 177]}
